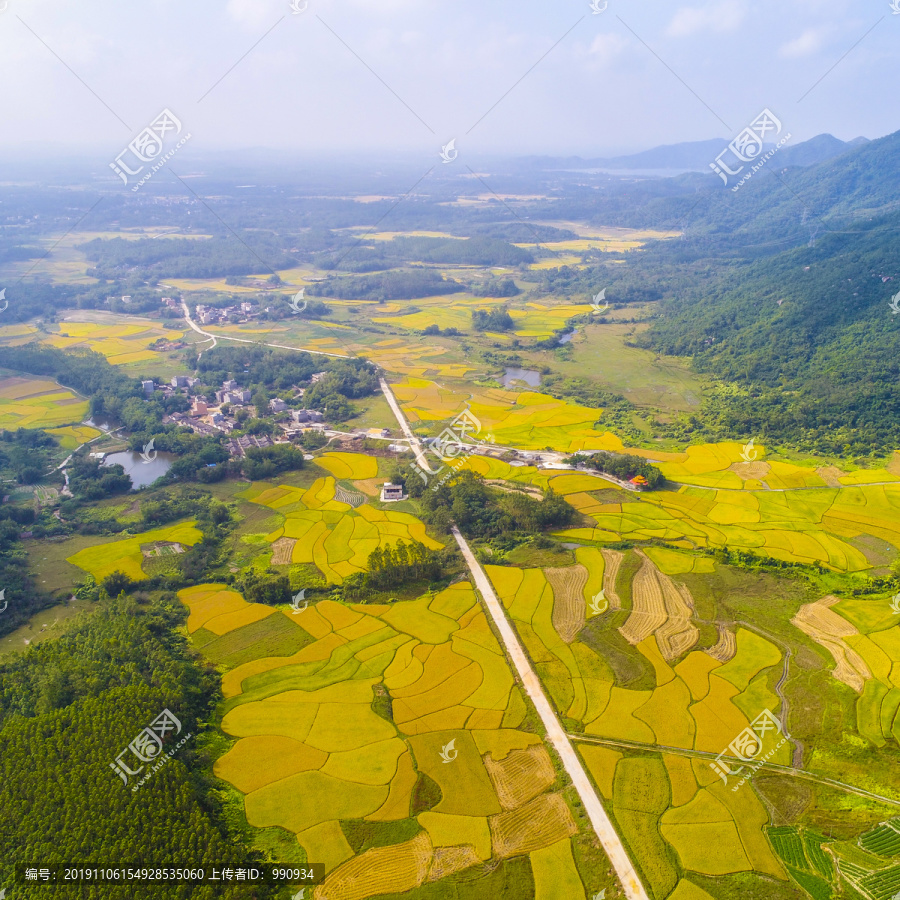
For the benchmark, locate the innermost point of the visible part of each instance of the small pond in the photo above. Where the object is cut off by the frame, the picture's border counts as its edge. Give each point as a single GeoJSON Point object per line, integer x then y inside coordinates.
{"type": "Point", "coordinates": [529, 376]}
{"type": "Point", "coordinates": [142, 473]}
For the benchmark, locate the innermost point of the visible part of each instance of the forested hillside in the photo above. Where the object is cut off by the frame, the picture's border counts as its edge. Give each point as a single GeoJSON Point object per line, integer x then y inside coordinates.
{"type": "Point", "coordinates": [69, 707]}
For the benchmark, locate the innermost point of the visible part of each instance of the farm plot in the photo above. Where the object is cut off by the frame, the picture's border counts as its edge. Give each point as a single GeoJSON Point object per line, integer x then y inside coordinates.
{"type": "Point", "coordinates": [119, 343]}
{"type": "Point", "coordinates": [71, 437]}
{"type": "Point", "coordinates": [336, 536]}
{"type": "Point", "coordinates": [31, 402]}
{"type": "Point", "coordinates": [813, 527]}
{"type": "Point", "coordinates": [678, 819]}
{"type": "Point", "coordinates": [125, 555]}
{"type": "Point", "coordinates": [528, 419]}
{"type": "Point", "coordinates": [863, 638]}
{"type": "Point", "coordinates": [662, 608]}
{"type": "Point", "coordinates": [401, 720]}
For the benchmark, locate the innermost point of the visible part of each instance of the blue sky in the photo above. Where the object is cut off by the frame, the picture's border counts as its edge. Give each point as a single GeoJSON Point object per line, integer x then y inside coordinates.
{"type": "Point", "coordinates": [368, 76]}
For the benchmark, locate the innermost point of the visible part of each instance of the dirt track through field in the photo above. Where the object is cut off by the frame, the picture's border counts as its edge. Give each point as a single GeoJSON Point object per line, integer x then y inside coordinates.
{"type": "Point", "coordinates": [569, 607]}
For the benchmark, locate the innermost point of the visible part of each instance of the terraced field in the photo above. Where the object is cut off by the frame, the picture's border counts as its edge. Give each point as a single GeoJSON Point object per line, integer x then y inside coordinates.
{"type": "Point", "coordinates": [679, 816]}
{"type": "Point", "coordinates": [32, 402]}
{"type": "Point", "coordinates": [121, 343]}
{"type": "Point", "coordinates": [333, 535]}
{"type": "Point", "coordinates": [391, 741]}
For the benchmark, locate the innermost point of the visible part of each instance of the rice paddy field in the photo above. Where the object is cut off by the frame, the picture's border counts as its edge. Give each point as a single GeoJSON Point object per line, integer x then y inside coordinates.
{"type": "Point", "coordinates": [71, 437]}
{"type": "Point", "coordinates": [655, 672]}
{"type": "Point", "coordinates": [391, 744]}
{"type": "Point", "coordinates": [125, 554]}
{"type": "Point", "coordinates": [34, 402]}
{"type": "Point", "coordinates": [331, 524]}
{"type": "Point", "coordinates": [122, 342]}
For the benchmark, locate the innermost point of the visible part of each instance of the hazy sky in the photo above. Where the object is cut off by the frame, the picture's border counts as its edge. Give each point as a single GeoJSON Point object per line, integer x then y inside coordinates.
{"type": "Point", "coordinates": [639, 74]}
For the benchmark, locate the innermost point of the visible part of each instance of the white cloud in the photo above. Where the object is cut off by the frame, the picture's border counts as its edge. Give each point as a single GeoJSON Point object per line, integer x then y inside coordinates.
{"type": "Point", "coordinates": [606, 48]}
{"type": "Point", "coordinates": [805, 45]}
{"type": "Point", "coordinates": [255, 13]}
{"type": "Point", "coordinates": [723, 16]}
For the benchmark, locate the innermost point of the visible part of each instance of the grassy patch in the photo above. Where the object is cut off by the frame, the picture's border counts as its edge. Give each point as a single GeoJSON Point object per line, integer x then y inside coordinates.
{"type": "Point", "coordinates": [425, 795]}
{"type": "Point", "coordinates": [362, 835]}
{"type": "Point", "coordinates": [275, 635]}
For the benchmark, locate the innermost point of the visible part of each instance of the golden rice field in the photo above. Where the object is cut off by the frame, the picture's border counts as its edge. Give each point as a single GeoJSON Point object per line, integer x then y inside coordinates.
{"type": "Point", "coordinates": [675, 813]}
{"type": "Point", "coordinates": [120, 344]}
{"type": "Point", "coordinates": [365, 705]}
{"type": "Point", "coordinates": [124, 555]}
{"type": "Point", "coordinates": [33, 402]}
{"type": "Point", "coordinates": [863, 638]}
{"type": "Point", "coordinates": [73, 436]}
{"type": "Point", "coordinates": [526, 419]}
{"type": "Point", "coordinates": [535, 320]}
{"type": "Point", "coordinates": [331, 534]}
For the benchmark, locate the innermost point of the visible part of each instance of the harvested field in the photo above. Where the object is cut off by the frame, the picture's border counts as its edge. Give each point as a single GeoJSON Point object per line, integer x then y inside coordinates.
{"type": "Point", "coordinates": [830, 475]}
{"type": "Point", "coordinates": [613, 561]}
{"type": "Point", "coordinates": [383, 870]}
{"type": "Point", "coordinates": [521, 776]}
{"type": "Point", "coordinates": [569, 608]}
{"type": "Point", "coordinates": [282, 551]}
{"type": "Point", "coordinates": [448, 860]}
{"type": "Point", "coordinates": [538, 824]}
{"type": "Point", "coordinates": [371, 487]}
{"type": "Point", "coordinates": [725, 648]}
{"type": "Point", "coordinates": [678, 634]}
{"type": "Point", "coordinates": [662, 608]}
{"type": "Point", "coordinates": [351, 498]}
{"type": "Point", "coordinates": [830, 630]}
{"type": "Point", "coordinates": [752, 471]}
{"type": "Point", "coordinates": [649, 612]}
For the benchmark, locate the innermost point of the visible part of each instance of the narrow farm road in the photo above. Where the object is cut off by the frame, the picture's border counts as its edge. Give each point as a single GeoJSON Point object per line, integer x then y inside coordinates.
{"type": "Point", "coordinates": [774, 768]}
{"type": "Point", "coordinates": [600, 821]}
{"type": "Point", "coordinates": [414, 443]}
{"type": "Point", "coordinates": [222, 337]}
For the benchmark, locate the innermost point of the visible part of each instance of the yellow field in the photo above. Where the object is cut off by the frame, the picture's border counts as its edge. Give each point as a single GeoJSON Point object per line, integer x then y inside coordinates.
{"type": "Point", "coordinates": [312, 750]}
{"type": "Point", "coordinates": [334, 536]}
{"type": "Point", "coordinates": [528, 420]}
{"type": "Point", "coordinates": [120, 344]}
{"type": "Point", "coordinates": [349, 465]}
{"type": "Point", "coordinates": [125, 555]}
{"type": "Point", "coordinates": [31, 402]}
{"type": "Point", "coordinates": [73, 436]}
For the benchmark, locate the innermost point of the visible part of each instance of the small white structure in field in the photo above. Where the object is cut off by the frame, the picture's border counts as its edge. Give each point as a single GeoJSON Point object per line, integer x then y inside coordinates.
{"type": "Point", "coordinates": [392, 493]}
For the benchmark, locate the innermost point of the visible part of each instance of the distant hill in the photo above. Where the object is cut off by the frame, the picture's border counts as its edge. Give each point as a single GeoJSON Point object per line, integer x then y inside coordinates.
{"type": "Point", "coordinates": [695, 156]}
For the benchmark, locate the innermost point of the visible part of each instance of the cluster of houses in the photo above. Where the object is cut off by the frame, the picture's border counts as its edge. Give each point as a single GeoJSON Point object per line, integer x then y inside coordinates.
{"type": "Point", "coordinates": [238, 447]}
{"type": "Point", "coordinates": [207, 419]}
{"type": "Point", "coordinates": [214, 315]}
